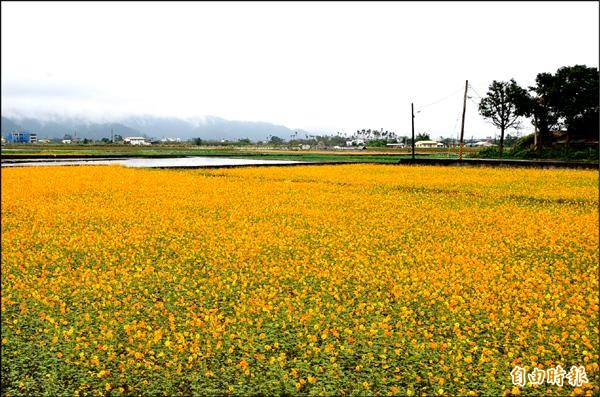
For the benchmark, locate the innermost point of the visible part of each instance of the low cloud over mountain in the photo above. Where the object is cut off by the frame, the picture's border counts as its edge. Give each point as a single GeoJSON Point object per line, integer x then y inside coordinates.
{"type": "Point", "coordinates": [153, 127]}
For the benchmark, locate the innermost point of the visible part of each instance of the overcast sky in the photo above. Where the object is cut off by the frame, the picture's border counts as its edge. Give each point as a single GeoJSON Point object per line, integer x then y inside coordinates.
{"type": "Point", "coordinates": [324, 67]}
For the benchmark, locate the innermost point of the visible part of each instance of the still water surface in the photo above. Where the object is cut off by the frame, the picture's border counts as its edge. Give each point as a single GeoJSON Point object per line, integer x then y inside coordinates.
{"type": "Point", "coordinates": [147, 162]}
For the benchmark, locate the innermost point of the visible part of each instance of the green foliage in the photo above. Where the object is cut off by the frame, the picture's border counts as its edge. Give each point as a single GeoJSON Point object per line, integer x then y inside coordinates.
{"type": "Point", "coordinates": [422, 137]}
{"type": "Point", "coordinates": [571, 94]}
{"type": "Point", "coordinates": [197, 141]}
{"type": "Point", "coordinates": [525, 142]}
{"type": "Point", "coordinates": [333, 140]}
{"type": "Point", "coordinates": [510, 140]}
{"type": "Point", "coordinates": [524, 149]}
{"type": "Point", "coordinates": [378, 143]}
{"type": "Point", "coordinates": [275, 140]}
{"type": "Point", "coordinates": [487, 153]}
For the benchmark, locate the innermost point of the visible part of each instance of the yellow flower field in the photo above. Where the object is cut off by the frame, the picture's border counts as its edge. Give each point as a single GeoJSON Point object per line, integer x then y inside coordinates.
{"type": "Point", "coordinates": [331, 280]}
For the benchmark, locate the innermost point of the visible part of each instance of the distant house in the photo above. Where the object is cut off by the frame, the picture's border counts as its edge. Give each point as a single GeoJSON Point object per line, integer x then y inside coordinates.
{"type": "Point", "coordinates": [428, 144]}
{"type": "Point", "coordinates": [483, 144]}
{"type": "Point", "coordinates": [66, 141]}
{"type": "Point", "coordinates": [397, 145]}
{"type": "Point", "coordinates": [135, 140]}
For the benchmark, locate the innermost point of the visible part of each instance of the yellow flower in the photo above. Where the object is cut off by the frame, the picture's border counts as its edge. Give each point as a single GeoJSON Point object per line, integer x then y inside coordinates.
{"type": "Point", "coordinates": [301, 270]}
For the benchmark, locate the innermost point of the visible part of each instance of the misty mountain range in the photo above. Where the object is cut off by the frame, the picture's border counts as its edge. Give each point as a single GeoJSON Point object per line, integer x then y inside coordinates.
{"type": "Point", "coordinates": [208, 128]}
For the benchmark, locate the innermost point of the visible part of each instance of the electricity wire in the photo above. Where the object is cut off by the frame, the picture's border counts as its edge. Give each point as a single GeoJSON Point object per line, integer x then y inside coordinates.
{"type": "Point", "coordinates": [475, 91]}
{"type": "Point", "coordinates": [473, 101]}
{"type": "Point", "coordinates": [439, 100]}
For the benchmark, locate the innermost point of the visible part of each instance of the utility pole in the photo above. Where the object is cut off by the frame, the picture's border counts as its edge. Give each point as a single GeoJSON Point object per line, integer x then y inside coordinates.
{"type": "Point", "coordinates": [412, 112]}
{"type": "Point", "coordinates": [112, 136]}
{"type": "Point", "coordinates": [462, 126]}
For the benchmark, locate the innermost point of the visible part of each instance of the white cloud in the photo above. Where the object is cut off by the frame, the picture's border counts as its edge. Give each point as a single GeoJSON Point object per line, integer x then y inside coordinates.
{"type": "Point", "coordinates": [321, 66]}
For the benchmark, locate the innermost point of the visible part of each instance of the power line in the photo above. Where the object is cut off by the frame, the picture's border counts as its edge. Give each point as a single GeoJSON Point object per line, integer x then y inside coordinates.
{"type": "Point", "coordinates": [475, 91]}
{"type": "Point", "coordinates": [456, 124]}
{"type": "Point", "coordinates": [440, 100]}
{"type": "Point", "coordinates": [471, 99]}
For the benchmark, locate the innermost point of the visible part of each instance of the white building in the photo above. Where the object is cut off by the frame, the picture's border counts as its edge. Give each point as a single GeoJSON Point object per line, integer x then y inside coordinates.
{"type": "Point", "coordinates": [428, 144]}
{"type": "Point", "coordinates": [360, 147]}
{"type": "Point", "coordinates": [483, 144]}
{"type": "Point", "coordinates": [358, 141]}
{"type": "Point", "coordinates": [136, 140]}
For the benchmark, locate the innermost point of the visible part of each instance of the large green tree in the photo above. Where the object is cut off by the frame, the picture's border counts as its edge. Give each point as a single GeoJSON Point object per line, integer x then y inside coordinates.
{"type": "Point", "coordinates": [567, 99]}
{"type": "Point", "coordinates": [500, 106]}
{"type": "Point", "coordinates": [571, 96]}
